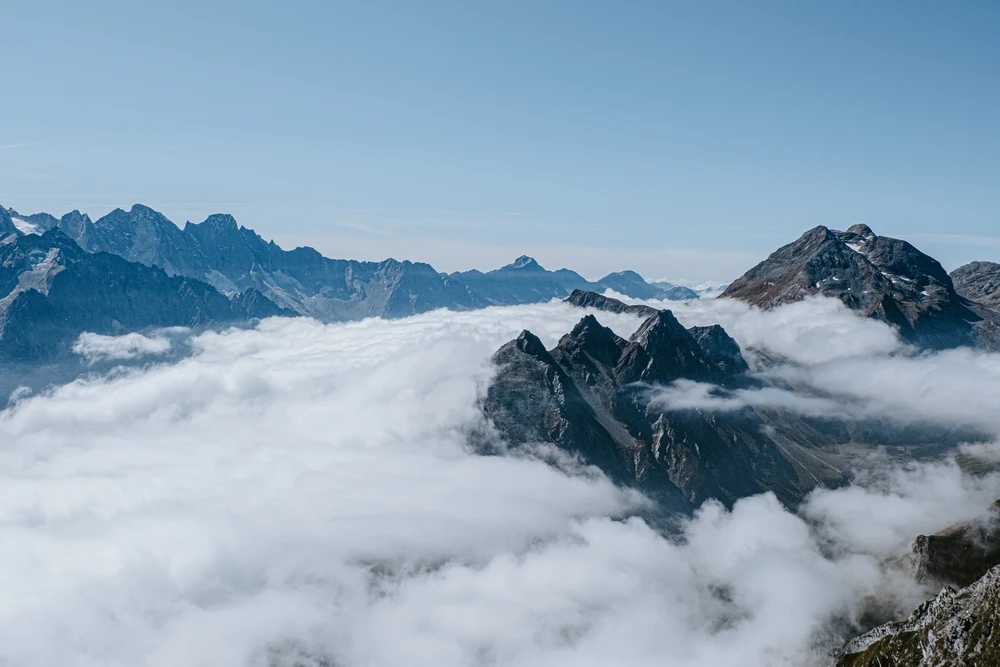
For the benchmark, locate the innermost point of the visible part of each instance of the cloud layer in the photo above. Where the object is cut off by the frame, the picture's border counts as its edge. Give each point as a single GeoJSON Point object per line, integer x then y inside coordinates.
{"type": "Point", "coordinates": [304, 494]}
{"type": "Point", "coordinates": [824, 360]}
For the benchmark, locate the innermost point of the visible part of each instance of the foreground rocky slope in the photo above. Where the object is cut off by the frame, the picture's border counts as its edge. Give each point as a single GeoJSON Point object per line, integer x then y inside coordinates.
{"type": "Point", "coordinates": [961, 624]}
{"type": "Point", "coordinates": [956, 628]}
{"type": "Point", "coordinates": [883, 278]}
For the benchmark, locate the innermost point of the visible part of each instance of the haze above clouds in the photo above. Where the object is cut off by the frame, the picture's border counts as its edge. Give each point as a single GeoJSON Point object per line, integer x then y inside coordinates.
{"type": "Point", "coordinates": [304, 494]}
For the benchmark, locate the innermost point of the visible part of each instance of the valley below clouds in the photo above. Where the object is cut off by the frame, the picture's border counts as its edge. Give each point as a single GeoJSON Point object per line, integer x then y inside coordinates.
{"type": "Point", "coordinates": [318, 495]}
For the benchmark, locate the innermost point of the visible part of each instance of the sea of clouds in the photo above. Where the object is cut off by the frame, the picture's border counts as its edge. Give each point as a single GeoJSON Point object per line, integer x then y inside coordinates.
{"type": "Point", "coordinates": [305, 495]}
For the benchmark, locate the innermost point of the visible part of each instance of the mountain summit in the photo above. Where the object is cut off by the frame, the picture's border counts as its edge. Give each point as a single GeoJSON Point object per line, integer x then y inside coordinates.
{"type": "Point", "coordinates": [883, 278]}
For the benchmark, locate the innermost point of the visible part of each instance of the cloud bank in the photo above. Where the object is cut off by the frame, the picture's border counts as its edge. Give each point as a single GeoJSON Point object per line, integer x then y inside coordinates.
{"type": "Point", "coordinates": [304, 494]}
{"type": "Point", "coordinates": [823, 360]}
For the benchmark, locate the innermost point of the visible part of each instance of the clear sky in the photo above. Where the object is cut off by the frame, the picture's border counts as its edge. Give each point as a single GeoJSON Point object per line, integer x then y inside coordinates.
{"type": "Point", "coordinates": [680, 139]}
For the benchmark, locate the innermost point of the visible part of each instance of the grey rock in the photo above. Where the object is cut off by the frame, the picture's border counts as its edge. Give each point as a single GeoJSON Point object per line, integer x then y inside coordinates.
{"type": "Point", "coordinates": [979, 281]}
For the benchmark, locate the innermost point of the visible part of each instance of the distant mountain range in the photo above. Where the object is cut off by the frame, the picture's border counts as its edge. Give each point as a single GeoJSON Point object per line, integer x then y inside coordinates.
{"type": "Point", "coordinates": [217, 272]}
{"type": "Point", "coordinates": [223, 273]}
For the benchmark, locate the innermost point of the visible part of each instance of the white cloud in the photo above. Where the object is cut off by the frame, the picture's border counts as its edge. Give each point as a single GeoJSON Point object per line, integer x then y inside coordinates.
{"type": "Point", "coordinates": [688, 395]}
{"type": "Point", "coordinates": [95, 347]}
{"type": "Point", "coordinates": [304, 494]}
{"type": "Point", "coordinates": [826, 360]}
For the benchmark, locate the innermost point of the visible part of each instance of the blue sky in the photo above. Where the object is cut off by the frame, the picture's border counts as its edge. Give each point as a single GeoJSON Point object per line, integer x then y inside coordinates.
{"type": "Point", "coordinates": [679, 139]}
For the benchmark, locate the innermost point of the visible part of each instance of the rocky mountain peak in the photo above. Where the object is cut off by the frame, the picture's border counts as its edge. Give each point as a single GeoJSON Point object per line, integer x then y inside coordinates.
{"type": "Point", "coordinates": [661, 330]}
{"type": "Point", "coordinates": [221, 221]}
{"type": "Point", "coordinates": [588, 395]}
{"type": "Point", "coordinates": [104, 220]}
{"type": "Point", "coordinates": [720, 348]}
{"type": "Point", "coordinates": [632, 284]}
{"type": "Point", "coordinates": [662, 351]}
{"type": "Point", "coordinates": [861, 230]}
{"type": "Point", "coordinates": [882, 277]}
{"type": "Point", "coordinates": [592, 339]}
{"type": "Point", "coordinates": [523, 263]}
{"type": "Point", "coordinates": [529, 343]}
{"type": "Point", "coordinates": [143, 211]}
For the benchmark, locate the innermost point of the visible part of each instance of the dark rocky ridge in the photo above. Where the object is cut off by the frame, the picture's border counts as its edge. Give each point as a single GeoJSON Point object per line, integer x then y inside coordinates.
{"type": "Point", "coordinates": [588, 299]}
{"type": "Point", "coordinates": [881, 277]}
{"type": "Point", "coordinates": [591, 395]}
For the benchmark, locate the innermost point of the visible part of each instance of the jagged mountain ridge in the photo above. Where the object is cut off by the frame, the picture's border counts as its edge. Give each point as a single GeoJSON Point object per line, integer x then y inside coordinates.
{"type": "Point", "coordinates": [591, 395]}
{"type": "Point", "coordinates": [883, 278]}
{"type": "Point", "coordinates": [53, 290]}
{"type": "Point", "coordinates": [233, 258]}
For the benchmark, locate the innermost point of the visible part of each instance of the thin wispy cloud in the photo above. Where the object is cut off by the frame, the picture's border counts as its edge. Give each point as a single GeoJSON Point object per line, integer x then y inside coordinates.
{"type": "Point", "coordinates": [959, 239]}
{"type": "Point", "coordinates": [4, 147]}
